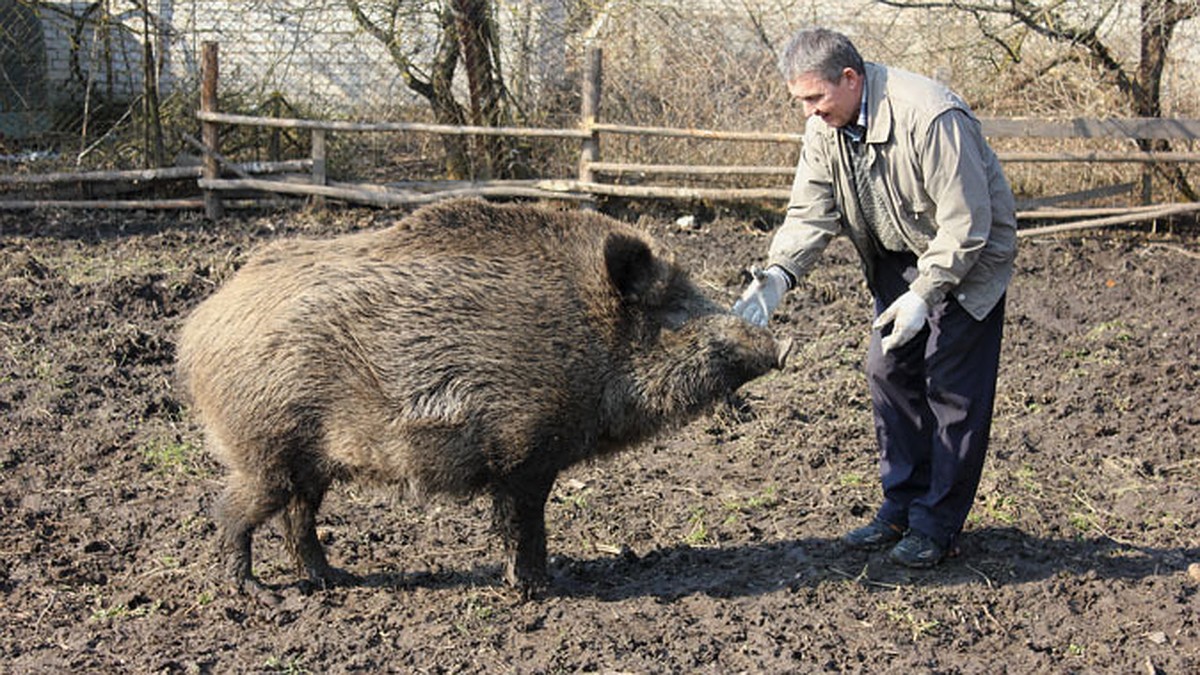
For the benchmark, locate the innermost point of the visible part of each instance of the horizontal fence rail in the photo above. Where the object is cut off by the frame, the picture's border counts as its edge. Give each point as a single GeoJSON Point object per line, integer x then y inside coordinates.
{"type": "Point", "coordinates": [993, 127]}
{"type": "Point", "coordinates": [1133, 157]}
{"type": "Point", "coordinates": [376, 127]}
{"type": "Point", "coordinates": [691, 170]}
{"type": "Point", "coordinates": [148, 175]}
{"type": "Point", "coordinates": [214, 180]}
{"type": "Point", "coordinates": [1150, 128]}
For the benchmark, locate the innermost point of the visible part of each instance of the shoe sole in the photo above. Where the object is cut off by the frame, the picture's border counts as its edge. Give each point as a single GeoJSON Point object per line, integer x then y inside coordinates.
{"type": "Point", "coordinates": [916, 564]}
{"type": "Point", "coordinates": [920, 564]}
{"type": "Point", "coordinates": [871, 546]}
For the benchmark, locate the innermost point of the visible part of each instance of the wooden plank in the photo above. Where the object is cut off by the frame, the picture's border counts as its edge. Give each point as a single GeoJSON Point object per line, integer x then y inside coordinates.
{"type": "Point", "coordinates": [732, 194]}
{"type": "Point", "coordinates": [710, 134]}
{"type": "Point", "coordinates": [208, 152]}
{"type": "Point", "coordinates": [147, 175]}
{"type": "Point", "coordinates": [557, 189]}
{"type": "Point", "coordinates": [1101, 157]}
{"type": "Point", "coordinates": [376, 197]}
{"type": "Point", "coordinates": [128, 176]}
{"type": "Point", "coordinates": [1080, 196]}
{"type": "Point", "coordinates": [1092, 212]}
{"type": "Point", "coordinates": [210, 132]}
{"type": "Point", "coordinates": [1134, 216]}
{"type": "Point", "coordinates": [320, 162]}
{"type": "Point", "coordinates": [333, 125]}
{"type": "Point", "coordinates": [691, 170]}
{"type": "Point", "coordinates": [589, 113]}
{"type": "Point", "coordinates": [435, 185]}
{"type": "Point", "coordinates": [1131, 127]}
{"type": "Point", "coordinates": [125, 204]}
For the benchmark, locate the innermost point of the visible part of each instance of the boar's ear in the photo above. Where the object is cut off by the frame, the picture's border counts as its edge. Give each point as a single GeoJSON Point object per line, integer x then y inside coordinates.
{"type": "Point", "coordinates": [631, 266]}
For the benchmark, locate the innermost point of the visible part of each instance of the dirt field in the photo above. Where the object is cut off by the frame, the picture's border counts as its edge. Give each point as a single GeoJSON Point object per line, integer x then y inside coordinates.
{"type": "Point", "coordinates": [714, 549]}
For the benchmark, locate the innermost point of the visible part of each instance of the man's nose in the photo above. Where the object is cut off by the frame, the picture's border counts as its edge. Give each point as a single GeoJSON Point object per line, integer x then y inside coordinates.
{"type": "Point", "coordinates": [809, 109]}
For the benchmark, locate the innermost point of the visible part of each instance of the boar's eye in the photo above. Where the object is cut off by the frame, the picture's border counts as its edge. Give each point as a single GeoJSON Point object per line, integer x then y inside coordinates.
{"type": "Point", "coordinates": [675, 317]}
{"type": "Point", "coordinates": [630, 265]}
{"type": "Point", "coordinates": [683, 302]}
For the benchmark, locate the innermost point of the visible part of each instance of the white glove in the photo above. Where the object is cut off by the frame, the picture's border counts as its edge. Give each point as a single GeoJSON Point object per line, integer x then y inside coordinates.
{"type": "Point", "coordinates": [907, 314]}
{"type": "Point", "coordinates": [763, 295]}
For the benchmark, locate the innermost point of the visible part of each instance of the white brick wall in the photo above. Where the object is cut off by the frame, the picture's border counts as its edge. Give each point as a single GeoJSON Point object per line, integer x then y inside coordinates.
{"type": "Point", "coordinates": [311, 51]}
{"type": "Point", "coordinates": [102, 58]}
{"type": "Point", "coordinates": [314, 54]}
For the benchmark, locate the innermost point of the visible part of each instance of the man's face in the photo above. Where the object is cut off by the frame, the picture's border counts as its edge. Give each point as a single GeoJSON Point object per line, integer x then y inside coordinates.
{"type": "Point", "coordinates": [837, 103]}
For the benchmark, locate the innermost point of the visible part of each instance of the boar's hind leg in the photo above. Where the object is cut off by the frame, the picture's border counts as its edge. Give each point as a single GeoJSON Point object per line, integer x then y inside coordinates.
{"type": "Point", "coordinates": [519, 514]}
{"type": "Point", "coordinates": [247, 503]}
{"type": "Point", "coordinates": [300, 533]}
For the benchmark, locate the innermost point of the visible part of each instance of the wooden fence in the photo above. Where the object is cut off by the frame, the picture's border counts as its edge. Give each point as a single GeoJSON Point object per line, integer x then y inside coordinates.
{"type": "Point", "coordinates": [588, 183]}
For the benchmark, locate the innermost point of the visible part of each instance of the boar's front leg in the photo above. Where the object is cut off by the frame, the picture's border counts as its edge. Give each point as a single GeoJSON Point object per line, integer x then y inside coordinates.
{"type": "Point", "coordinates": [519, 515]}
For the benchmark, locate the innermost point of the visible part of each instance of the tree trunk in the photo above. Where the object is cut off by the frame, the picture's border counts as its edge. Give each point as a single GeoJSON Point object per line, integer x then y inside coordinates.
{"type": "Point", "coordinates": [152, 124]}
{"type": "Point", "coordinates": [446, 110]}
{"type": "Point", "coordinates": [477, 37]}
{"type": "Point", "coordinates": [1158, 21]}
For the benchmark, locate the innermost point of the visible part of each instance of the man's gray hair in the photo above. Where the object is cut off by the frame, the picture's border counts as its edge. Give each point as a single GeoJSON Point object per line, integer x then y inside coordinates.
{"type": "Point", "coordinates": [821, 51]}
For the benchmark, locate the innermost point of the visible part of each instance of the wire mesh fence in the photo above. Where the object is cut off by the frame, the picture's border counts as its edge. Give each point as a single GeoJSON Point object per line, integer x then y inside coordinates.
{"type": "Point", "coordinates": [113, 84]}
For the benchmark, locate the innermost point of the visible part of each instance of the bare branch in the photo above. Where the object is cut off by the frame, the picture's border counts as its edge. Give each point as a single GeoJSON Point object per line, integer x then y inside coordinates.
{"type": "Point", "coordinates": [1044, 20]}
{"type": "Point", "coordinates": [388, 38]}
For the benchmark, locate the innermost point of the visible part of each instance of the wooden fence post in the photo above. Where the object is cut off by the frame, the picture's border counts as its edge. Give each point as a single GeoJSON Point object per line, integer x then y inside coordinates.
{"type": "Point", "coordinates": [589, 112]}
{"type": "Point", "coordinates": [210, 131]}
{"type": "Point", "coordinates": [319, 165]}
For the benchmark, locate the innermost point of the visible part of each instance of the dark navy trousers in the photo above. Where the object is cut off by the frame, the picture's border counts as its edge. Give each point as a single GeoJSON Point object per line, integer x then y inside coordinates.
{"type": "Point", "coordinates": [932, 400]}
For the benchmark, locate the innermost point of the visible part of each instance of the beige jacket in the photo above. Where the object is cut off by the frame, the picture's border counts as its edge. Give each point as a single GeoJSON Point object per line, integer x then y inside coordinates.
{"type": "Point", "coordinates": [945, 188]}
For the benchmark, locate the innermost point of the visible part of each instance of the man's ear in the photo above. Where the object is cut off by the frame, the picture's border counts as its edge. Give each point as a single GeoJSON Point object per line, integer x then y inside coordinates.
{"type": "Point", "coordinates": [852, 76]}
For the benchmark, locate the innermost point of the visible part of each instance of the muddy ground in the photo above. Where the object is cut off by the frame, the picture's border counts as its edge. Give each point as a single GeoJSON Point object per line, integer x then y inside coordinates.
{"type": "Point", "coordinates": [713, 549]}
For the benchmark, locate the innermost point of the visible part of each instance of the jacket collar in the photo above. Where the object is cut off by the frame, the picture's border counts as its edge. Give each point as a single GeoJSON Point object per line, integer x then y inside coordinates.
{"type": "Point", "coordinates": [879, 108]}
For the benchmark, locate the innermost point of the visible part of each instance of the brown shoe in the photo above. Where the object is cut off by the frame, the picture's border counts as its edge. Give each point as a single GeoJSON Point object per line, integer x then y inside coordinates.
{"type": "Point", "coordinates": [875, 534]}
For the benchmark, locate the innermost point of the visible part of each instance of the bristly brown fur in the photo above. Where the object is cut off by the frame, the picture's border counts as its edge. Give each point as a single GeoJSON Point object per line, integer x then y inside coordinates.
{"type": "Point", "coordinates": [469, 347]}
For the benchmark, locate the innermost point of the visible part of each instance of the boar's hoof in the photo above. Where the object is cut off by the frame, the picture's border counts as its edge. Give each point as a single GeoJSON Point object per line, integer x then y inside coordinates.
{"type": "Point", "coordinates": [259, 593]}
{"type": "Point", "coordinates": [534, 591]}
{"type": "Point", "coordinates": [330, 577]}
{"type": "Point", "coordinates": [529, 585]}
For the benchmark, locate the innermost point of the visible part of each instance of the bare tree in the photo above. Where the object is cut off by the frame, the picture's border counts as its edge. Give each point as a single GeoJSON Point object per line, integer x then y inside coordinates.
{"type": "Point", "coordinates": [1079, 24]}
{"type": "Point", "coordinates": [465, 35]}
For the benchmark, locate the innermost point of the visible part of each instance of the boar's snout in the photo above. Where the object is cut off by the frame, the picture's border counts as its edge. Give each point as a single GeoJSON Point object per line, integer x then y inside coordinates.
{"type": "Point", "coordinates": [744, 332]}
{"type": "Point", "coordinates": [752, 350]}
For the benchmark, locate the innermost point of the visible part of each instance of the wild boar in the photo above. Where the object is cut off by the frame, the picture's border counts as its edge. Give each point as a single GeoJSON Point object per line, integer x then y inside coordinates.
{"type": "Point", "coordinates": [469, 348]}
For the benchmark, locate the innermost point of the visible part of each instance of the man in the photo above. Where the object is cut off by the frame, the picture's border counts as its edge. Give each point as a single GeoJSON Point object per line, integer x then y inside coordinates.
{"type": "Point", "coordinates": [897, 162]}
